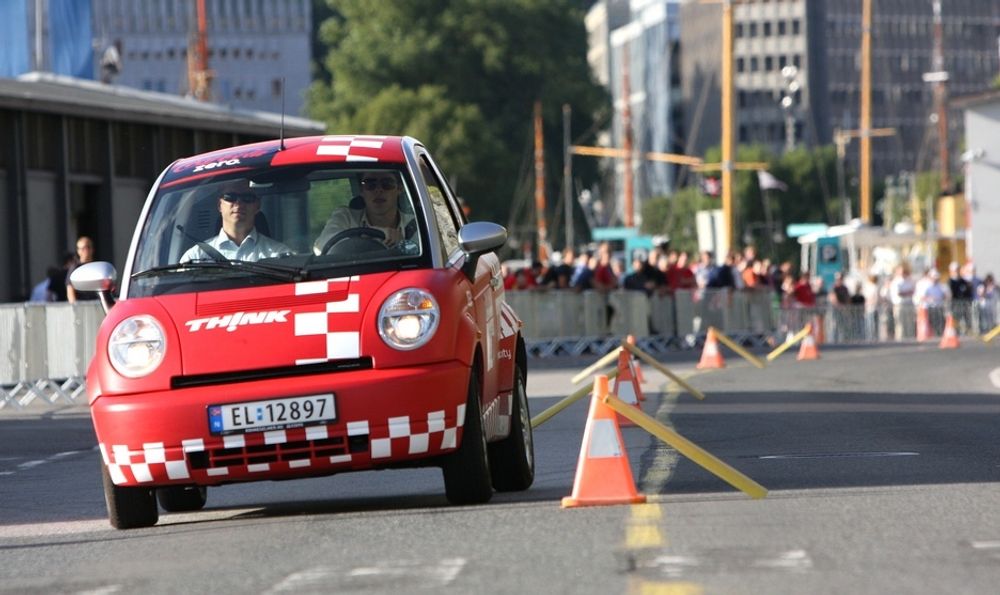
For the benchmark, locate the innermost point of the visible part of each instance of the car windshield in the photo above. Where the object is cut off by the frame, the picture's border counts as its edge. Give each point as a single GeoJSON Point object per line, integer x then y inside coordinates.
{"type": "Point", "coordinates": [277, 225]}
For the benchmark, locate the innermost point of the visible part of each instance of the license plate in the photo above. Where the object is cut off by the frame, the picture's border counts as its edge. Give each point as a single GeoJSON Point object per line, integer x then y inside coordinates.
{"type": "Point", "coordinates": [272, 414]}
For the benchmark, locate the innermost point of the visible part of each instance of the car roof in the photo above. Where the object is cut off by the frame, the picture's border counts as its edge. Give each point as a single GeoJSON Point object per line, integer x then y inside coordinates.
{"type": "Point", "coordinates": [358, 149]}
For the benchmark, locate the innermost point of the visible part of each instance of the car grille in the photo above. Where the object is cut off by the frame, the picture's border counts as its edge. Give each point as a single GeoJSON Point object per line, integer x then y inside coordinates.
{"type": "Point", "coordinates": [277, 453]}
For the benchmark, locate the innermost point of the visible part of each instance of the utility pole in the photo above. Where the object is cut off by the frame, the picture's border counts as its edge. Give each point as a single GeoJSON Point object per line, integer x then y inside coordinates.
{"type": "Point", "coordinates": [727, 123]}
{"type": "Point", "coordinates": [543, 243]}
{"type": "Point", "coordinates": [865, 161]}
{"type": "Point", "coordinates": [940, 79]}
{"type": "Point", "coordinates": [841, 138]}
{"type": "Point", "coordinates": [567, 177]}
{"type": "Point", "coordinates": [627, 205]}
{"type": "Point", "coordinates": [199, 76]}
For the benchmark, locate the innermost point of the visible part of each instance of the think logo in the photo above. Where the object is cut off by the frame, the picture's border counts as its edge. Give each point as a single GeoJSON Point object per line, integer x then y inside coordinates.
{"type": "Point", "coordinates": [231, 321]}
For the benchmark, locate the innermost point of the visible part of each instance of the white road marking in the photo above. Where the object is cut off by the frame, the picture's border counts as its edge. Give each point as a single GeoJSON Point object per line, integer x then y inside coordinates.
{"type": "Point", "coordinates": [995, 377]}
{"type": "Point", "coordinates": [415, 574]}
{"type": "Point", "coordinates": [985, 545]}
{"type": "Point", "coordinates": [790, 560]}
{"type": "Point", "coordinates": [54, 528]}
{"type": "Point", "coordinates": [838, 455]}
{"type": "Point", "coordinates": [106, 590]}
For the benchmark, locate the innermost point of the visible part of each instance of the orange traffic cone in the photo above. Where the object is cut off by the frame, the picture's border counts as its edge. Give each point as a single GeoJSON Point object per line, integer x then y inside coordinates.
{"type": "Point", "coordinates": [818, 329]}
{"type": "Point", "coordinates": [603, 474]}
{"type": "Point", "coordinates": [711, 356]}
{"type": "Point", "coordinates": [627, 386]}
{"type": "Point", "coordinates": [808, 349]}
{"type": "Point", "coordinates": [924, 330]}
{"type": "Point", "coordinates": [635, 362]}
{"type": "Point", "coordinates": [949, 338]}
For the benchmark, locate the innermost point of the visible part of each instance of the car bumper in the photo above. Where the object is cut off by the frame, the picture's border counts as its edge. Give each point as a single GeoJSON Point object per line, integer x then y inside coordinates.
{"type": "Point", "coordinates": [403, 415]}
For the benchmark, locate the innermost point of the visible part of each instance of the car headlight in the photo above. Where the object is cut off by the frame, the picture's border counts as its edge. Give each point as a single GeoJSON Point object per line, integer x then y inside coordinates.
{"type": "Point", "coordinates": [137, 346]}
{"type": "Point", "coordinates": [408, 319]}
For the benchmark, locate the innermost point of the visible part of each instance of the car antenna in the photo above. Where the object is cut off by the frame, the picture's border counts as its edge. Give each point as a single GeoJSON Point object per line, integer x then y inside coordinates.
{"type": "Point", "coordinates": [281, 129]}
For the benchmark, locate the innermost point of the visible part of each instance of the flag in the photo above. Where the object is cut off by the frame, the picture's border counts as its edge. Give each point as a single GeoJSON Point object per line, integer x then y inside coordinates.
{"type": "Point", "coordinates": [70, 38]}
{"type": "Point", "coordinates": [768, 182]}
{"type": "Point", "coordinates": [14, 33]}
{"type": "Point", "coordinates": [711, 186]}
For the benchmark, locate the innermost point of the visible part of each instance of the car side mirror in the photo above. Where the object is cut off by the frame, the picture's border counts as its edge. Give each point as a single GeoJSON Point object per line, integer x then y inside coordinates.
{"type": "Point", "coordinates": [98, 277]}
{"type": "Point", "coordinates": [478, 238]}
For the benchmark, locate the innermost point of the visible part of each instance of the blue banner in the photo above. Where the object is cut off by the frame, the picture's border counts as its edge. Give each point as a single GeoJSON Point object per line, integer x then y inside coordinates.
{"type": "Point", "coordinates": [70, 38]}
{"type": "Point", "coordinates": [14, 33]}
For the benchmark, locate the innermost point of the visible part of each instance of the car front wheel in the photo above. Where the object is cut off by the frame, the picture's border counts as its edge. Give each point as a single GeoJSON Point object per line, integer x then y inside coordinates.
{"type": "Point", "coordinates": [129, 507]}
{"type": "Point", "coordinates": [512, 460]}
{"type": "Point", "coordinates": [467, 470]}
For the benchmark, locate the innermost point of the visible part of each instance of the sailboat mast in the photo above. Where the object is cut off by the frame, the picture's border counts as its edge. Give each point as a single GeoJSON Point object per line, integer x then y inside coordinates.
{"type": "Point", "coordinates": [543, 245]}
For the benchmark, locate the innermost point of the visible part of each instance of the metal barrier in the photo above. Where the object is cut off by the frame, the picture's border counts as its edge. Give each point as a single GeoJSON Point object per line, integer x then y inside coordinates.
{"type": "Point", "coordinates": [45, 348]}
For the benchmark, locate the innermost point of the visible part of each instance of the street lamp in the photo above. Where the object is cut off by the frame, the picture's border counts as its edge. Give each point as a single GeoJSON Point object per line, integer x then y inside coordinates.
{"type": "Point", "coordinates": [790, 73]}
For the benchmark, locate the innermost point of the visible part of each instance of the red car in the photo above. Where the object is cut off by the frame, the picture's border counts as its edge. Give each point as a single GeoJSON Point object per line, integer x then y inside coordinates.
{"type": "Point", "coordinates": [301, 308]}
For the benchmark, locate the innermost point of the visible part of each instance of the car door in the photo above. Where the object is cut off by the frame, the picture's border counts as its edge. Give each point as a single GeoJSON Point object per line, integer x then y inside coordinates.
{"type": "Point", "coordinates": [487, 285]}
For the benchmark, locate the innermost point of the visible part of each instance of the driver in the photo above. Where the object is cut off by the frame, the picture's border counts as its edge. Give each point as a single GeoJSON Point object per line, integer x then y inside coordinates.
{"type": "Point", "coordinates": [379, 210]}
{"type": "Point", "coordinates": [239, 239]}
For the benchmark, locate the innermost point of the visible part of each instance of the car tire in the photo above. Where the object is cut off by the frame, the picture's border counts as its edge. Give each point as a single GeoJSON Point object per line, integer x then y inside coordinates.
{"type": "Point", "coordinates": [182, 498]}
{"type": "Point", "coordinates": [467, 471]}
{"type": "Point", "coordinates": [129, 507]}
{"type": "Point", "coordinates": [512, 460]}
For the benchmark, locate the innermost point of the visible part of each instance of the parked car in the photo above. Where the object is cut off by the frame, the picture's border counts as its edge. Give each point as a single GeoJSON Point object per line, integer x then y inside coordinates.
{"type": "Point", "coordinates": [252, 339]}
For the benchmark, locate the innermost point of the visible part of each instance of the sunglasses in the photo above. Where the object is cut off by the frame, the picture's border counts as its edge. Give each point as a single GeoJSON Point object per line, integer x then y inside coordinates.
{"type": "Point", "coordinates": [373, 183]}
{"type": "Point", "coordinates": [243, 197]}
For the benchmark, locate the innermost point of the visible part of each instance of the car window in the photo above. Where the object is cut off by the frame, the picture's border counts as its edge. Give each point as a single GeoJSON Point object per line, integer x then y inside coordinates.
{"type": "Point", "coordinates": [447, 225]}
{"type": "Point", "coordinates": [306, 223]}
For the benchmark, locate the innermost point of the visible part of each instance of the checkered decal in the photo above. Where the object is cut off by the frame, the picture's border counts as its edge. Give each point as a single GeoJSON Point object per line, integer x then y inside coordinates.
{"type": "Point", "coordinates": [509, 322]}
{"type": "Point", "coordinates": [404, 437]}
{"type": "Point", "coordinates": [336, 324]}
{"type": "Point", "coordinates": [351, 148]}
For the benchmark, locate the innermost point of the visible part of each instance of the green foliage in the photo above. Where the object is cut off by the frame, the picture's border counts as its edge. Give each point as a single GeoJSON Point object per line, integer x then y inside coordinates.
{"type": "Point", "coordinates": [675, 216]}
{"type": "Point", "coordinates": [462, 76]}
{"type": "Point", "coordinates": [805, 171]}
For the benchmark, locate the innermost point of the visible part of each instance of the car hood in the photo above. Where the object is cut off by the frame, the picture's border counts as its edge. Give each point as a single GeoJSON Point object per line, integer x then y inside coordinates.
{"type": "Point", "coordinates": [274, 326]}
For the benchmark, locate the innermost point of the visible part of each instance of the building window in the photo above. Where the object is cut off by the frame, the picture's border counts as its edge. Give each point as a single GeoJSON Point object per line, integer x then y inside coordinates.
{"type": "Point", "coordinates": [782, 61]}
{"type": "Point", "coordinates": [768, 63]}
{"type": "Point", "coordinates": [753, 29]}
{"type": "Point", "coordinates": [781, 27]}
{"type": "Point", "coordinates": [767, 29]}
{"type": "Point", "coordinates": [276, 88]}
{"type": "Point", "coordinates": [740, 65]}
{"type": "Point", "coordinates": [754, 64]}
{"type": "Point", "coordinates": [795, 27]}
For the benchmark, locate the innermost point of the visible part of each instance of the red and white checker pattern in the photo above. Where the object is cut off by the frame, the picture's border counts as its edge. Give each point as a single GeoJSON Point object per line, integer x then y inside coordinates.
{"type": "Point", "coordinates": [404, 438]}
{"type": "Point", "coordinates": [351, 148]}
{"type": "Point", "coordinates": [508, 321]}
{"type": "Point", "coordinates": [336, 324]}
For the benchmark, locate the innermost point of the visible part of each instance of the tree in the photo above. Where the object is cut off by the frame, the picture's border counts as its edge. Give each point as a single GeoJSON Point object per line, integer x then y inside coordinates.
{"type": "Point", "coordinates": [462, 76]}
{"type": "Point", "coordinates": [809, 175]}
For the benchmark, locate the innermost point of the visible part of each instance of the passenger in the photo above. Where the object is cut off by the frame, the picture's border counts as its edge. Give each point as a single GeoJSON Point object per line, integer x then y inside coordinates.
{"type": "Point", "coordinates": [378, 208]}
{"type": "Point", "coordinates": [238, 239]}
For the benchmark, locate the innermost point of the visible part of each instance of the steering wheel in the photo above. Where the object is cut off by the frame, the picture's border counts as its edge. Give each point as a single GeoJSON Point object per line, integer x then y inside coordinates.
{"type": "Point", "coordinates": [373, 237]}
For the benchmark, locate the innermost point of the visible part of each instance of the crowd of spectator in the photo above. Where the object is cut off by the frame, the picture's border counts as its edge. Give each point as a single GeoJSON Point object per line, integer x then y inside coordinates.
{"type": "Point", "coordinates": [662, 271]}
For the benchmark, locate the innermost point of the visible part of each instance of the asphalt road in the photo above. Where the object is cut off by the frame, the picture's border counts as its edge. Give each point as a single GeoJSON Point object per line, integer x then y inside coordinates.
{"type": "Point", "coordinates": [882, 465]}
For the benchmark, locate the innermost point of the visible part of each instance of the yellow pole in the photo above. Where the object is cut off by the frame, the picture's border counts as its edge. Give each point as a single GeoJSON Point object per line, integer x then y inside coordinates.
{"type": "Point", "coordinates": [546, 415]}
{"type": "Point", "coordinates": [738, 349]}
{"type": "Point", "coordinates": [664, 370]}
{"type": "Point", "coordinates": [689, 449]}
{"type": "Point", "coordinates": [727, 124]}
{"type": "Point", "coordinates": [865, 164]}
{"type": "Point", "coordinates": [596, 365]}
{"type": "Point", "coordinates": [992, 334]}
{"type": "Point", "coordinates": [787, 344]}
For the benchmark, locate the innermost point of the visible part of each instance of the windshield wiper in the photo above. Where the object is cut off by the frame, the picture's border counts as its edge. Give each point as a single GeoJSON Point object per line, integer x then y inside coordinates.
{"type": "Point", "coordinates": [273, 271]}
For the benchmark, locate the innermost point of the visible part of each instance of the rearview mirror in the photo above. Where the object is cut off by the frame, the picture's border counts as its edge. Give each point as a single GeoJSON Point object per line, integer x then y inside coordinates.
{"type": "Point", "coordinates": [95, 276]}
